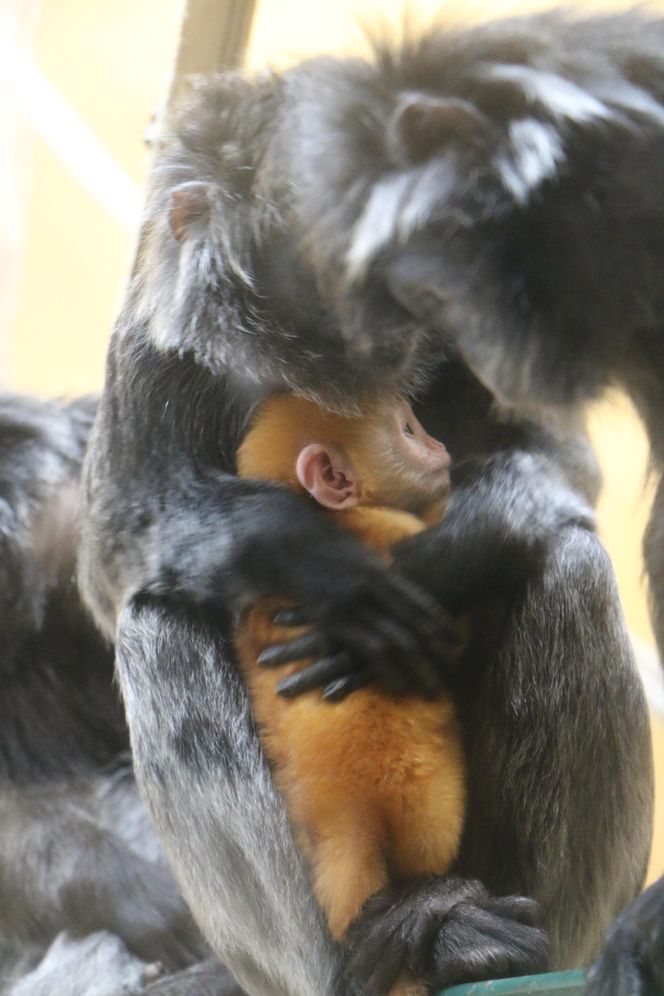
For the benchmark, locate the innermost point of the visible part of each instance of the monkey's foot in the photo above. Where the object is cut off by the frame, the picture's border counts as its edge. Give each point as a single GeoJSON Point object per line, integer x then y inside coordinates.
{"type": "Point", "coordinates": [446, 931]}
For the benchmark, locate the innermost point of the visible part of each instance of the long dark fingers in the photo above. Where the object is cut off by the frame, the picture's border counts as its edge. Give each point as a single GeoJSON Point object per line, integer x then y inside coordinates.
{"type": "Point", "coordinates": [402, 661]}
{"type": "Point", "coordinates": [402, 602]}
{"type": "Point", "coordinates": [318, 675]}
{"type": "Point", "coordinates": [298, 615]}
{"type": "Point", "coordinates": [342, 687]}
{"type": "Point", "coordinates": [388, 651]}
{"type": "Point", "coordinates": [519, 908]}
{"type": "Point", "coordinates": [400, 599]}
{"type": "Point", "coordinates": [314, 644]}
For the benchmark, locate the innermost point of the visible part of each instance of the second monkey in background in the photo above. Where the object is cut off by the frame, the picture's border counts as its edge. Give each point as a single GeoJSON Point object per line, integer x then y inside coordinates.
{"type": "Point", "coordinates": [374, 784]}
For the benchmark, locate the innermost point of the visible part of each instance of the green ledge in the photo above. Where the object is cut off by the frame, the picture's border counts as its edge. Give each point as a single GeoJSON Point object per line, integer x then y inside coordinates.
{"type": "Point", "coordinates": [568, 983]}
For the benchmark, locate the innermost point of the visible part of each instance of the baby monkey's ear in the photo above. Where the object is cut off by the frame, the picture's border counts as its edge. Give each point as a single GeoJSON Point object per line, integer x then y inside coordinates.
{"type": "Point", "coordinates": [189, 207]}
{"type": "Point", "coordinates": [328, 475]}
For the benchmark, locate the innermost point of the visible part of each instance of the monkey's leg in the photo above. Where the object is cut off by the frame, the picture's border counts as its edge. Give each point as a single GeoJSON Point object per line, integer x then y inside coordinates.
{"type": "Point", "coordinates": [200, 768]}
{"type": "Point", "coordinates": [568, 733]}
{"type": "Point", "coordinates": [349, 866]}
{"type": "Point", "coordinates": [426, 821]}
{"type": "Point", "coordinates": [559, 777]}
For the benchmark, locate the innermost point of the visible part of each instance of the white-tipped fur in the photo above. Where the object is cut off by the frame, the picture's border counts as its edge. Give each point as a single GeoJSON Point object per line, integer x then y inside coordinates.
{"type": "Point", "coordinates": [535, 153]}
{"type": "Point", "coordinates": [562, 98]}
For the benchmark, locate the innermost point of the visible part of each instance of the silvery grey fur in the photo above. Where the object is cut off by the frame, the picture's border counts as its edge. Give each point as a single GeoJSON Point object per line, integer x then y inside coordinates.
{"type": "Point", "coordinates": [322, 199]}
{"type": "Point", "coordinates": [78, 853]}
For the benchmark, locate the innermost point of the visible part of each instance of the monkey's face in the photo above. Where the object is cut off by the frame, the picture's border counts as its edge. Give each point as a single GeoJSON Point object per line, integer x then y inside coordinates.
{"type": "Point", "coordinates": [402, 466]}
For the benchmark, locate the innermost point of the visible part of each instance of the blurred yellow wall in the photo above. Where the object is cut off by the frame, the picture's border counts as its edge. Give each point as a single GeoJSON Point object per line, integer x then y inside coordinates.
{"type": "Point", "coordinates": [111, 61]}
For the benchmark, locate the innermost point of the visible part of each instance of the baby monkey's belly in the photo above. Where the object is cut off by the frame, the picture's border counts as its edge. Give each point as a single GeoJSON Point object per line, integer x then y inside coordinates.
{"type": "Point", "coordinates": [373, 784]}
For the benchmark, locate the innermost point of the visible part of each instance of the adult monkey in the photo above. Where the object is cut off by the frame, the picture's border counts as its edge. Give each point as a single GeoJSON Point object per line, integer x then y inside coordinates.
{"type": "Point", "coordinates": [259, 193]}
{"type": "Point", "coordinates": [552, 287]}
{"type": "Point", "coordinates": [86, 897]}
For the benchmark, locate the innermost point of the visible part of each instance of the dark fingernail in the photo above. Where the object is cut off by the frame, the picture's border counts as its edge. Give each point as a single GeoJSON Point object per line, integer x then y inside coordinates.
{"type": "Point", "coordinates": [285, 617]}
{"type": "Point", "coordinates": [335, 691]}
{"type": "Point", "coordinates": [269, 657]}
{"type": "Point", "coordinates": [287, 687]}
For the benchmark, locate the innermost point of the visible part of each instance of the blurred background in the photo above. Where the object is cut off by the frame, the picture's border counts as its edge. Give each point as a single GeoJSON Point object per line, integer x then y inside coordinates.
{"type": "Point", "coordinates": [79, 83]}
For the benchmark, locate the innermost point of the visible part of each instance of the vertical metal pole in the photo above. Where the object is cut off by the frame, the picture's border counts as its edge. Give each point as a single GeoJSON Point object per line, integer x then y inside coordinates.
{"type": "Point", "coordinates": [215, 34]}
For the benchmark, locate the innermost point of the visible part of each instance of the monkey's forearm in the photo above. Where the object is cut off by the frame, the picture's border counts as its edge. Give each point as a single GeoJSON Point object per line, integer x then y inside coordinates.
{"type": "Point", "coordinates": [500, 525]}
{"type": "Point", "coordinates": [239, 540]}
{"type": "Point", "coordinates": [213, 540]}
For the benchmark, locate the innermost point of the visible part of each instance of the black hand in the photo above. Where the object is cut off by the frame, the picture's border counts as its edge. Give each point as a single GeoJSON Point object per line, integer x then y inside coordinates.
{"type": "Point", "coordinates": [632, 961]}
{"type": "Point", "coordinates": [445, 931]}
{"type": "Point", "coordinates": [364, 648]}
{"type": "Point", "coordinates": [334, 674]}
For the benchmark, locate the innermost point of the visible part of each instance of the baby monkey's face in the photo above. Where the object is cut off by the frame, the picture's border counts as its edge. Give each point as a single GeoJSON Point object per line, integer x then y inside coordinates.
{"type": "Point", "coordinates": [403, 465]}
{"type": "Point", "coordinates": [384, 458]}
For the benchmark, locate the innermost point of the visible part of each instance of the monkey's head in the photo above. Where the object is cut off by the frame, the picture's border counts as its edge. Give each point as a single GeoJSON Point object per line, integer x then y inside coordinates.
{"type": "Point", "coordinates": [223, 271]}
{"type": "Point", "coordinates": [471, 180]}
{"type": "Point", "coordinates": [383, 457]}
{"type": "Point", "coordinates": [338, 229]}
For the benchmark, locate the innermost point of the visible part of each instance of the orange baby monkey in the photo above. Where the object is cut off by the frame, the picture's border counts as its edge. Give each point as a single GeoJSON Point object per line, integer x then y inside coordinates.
{"type": "Point", "coordinates": [374, 785]}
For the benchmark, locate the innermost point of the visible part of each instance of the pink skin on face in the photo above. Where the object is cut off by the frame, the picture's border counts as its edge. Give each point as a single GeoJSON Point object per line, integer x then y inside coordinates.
{"type": "Point", "coordinates": [420, 449]}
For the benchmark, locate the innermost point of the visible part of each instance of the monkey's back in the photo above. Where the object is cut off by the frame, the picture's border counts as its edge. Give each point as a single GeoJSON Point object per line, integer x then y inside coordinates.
{"type": "Point", "coordinates": [374, 784]}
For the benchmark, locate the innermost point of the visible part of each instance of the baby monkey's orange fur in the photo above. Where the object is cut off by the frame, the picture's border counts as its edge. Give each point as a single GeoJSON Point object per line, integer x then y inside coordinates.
{"type": "Point", "coordinates": [373, 784]}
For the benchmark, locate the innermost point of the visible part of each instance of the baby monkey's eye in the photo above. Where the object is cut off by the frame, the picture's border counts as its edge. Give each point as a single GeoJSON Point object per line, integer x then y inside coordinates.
{"type": "Point", "coordinates": [408, 429]}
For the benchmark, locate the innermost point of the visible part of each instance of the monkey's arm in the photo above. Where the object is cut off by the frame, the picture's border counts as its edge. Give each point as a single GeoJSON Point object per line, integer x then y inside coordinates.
{"type": "Point", "coordinates": [503, 518]}
{"type": "Point", "coordinates": [505, 514]}
{"type": "Point", "coordinates": [200, 766]}
{"type": "Point", "coordinates": [240, 540]}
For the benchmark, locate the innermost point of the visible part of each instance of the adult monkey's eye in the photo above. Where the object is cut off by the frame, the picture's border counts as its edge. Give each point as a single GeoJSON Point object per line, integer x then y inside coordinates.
{"type": "Point", "coordinates": [408, 429]}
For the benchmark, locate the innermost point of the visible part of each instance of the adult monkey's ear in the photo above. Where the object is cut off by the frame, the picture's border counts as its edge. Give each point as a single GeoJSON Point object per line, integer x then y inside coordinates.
{"type": "Point", "coordinates": [329, 477]}
{"type": "Point", "coordinates": [189, 203]}
{"type": "Point", "coordinates": [422, 124]}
